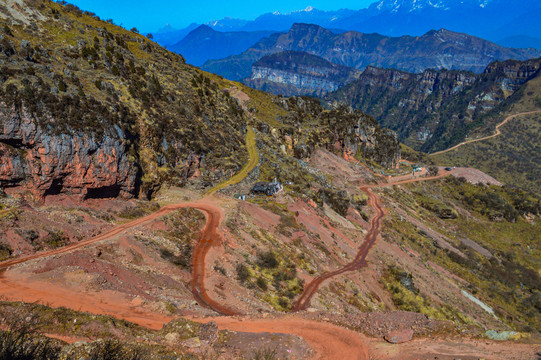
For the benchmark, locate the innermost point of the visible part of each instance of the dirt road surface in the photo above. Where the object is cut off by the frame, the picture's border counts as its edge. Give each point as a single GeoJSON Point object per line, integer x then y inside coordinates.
{"type": "Point", "coordinates": [209, 238]}
{"type": "Point", "coordinates": [253, 160]}
{"type": "Point", "coordinates": [329, 341]}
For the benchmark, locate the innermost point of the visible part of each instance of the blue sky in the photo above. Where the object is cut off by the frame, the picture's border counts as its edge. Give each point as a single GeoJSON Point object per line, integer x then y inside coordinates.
{"type": "Point", "coordinates": [148, 16]}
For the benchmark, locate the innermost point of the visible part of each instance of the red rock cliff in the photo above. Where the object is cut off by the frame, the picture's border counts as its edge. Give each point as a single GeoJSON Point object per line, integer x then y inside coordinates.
{"type": "Point", "coordinates": [45, 162]}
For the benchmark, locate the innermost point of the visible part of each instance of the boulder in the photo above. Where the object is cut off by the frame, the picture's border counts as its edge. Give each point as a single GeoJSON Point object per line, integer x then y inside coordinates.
{"type": "Point", "coordinates": [399, 336]}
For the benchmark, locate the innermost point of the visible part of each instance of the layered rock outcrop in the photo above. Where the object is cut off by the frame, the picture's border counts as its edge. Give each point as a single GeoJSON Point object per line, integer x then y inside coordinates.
{"type": "Point", "coordinates": [340, 129]}
{"type": "Point", "coordinates": [433, 109]}
{"type": "Point", "coordinates": [300, 80]}
{"type": "Point", "coordinates": [46, 162]}
{"type": "Point", "coordinates": [291, 73]}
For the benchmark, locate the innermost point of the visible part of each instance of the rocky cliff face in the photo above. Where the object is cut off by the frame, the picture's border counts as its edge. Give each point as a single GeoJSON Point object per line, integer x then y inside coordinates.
{"type": "Point", "coordinates": [435, 109]}
{"type": "Point", "coordinates": [291, 73]}
{"type": "Point", "coordinates": [298, 80]}
{"type": "Point", "coordinates": [92, 109]}
{"type": "Point", "coordinates": [511, 75]}
{"type": "Point", "coordinates": [340, 129]}
{"type": "Point", "coordinates": [47, 163]}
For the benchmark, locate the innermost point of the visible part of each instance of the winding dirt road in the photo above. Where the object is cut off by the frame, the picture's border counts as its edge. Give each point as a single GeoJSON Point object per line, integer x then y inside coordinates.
{"type": "Point", "coordinates": [253, 160]}
{"type": "Point", "coordinates": [496, 133]}
{"type": "Point", "coordinates": [329, 341]}
{"type": "Point", "coordinates": [360, 259]}
{"type": "Point", "coordinates": [375, 224]}
{"type": "Point", "coordinates": [209, 238]}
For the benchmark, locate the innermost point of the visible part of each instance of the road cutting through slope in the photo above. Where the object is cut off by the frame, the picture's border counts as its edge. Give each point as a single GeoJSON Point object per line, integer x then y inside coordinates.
{"type": "Point", "coordinates": [324, 338]}
{"type": "Point", "coordinates": [209, 238]}
{"type": "Point", "coordinates": [496, 133]}
{"type": "Point", "coordinates": [303, 302]}
{"type": "Point", "coordinates": [253, 160]}
{"type": "Point", "coordinates": [328, 341]}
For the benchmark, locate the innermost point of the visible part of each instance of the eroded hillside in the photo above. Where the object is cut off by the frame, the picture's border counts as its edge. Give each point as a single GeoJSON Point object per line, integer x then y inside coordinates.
{"type": "Point", "coordinates": [423, 255]}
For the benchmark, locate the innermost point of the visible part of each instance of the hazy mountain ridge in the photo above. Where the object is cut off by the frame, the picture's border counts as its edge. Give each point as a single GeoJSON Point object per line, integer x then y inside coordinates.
{"type": "Point", "coordinates": [504, 22]}
{"type": "Point", "coordinates": [204, 43]}
{"type": "Point", "coordinates": [435, 49]}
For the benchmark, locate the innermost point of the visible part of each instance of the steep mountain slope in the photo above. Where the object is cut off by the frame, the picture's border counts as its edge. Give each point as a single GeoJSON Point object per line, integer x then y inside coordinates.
{"type": "Point", "coordinates": [514, 156]}
{"type": "Point", "coordinates": [370, 249]}
{"type": "Point", "coordinates": [297, 73]}
{"type": "Point", "coordinates": [92, 109]}
{"type": "Point", "coordinates": [437, 109]}
{"type": "Point", "coordinates": [204, 43]}
{"type": "Point", "coordinates": [435, 49]}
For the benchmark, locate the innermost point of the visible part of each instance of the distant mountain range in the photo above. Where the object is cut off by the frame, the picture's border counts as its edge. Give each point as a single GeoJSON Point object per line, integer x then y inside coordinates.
{"type": "Point", "coordinates": [204, 43]}
{"type": "Point", "coordinates": [281, 22]}
{"type": "Point", "coordinates": [435, 49]}
{"type": "Point", "coordinates": [168, 35]}
{"type": "Point", "coordinates": [509, 23]}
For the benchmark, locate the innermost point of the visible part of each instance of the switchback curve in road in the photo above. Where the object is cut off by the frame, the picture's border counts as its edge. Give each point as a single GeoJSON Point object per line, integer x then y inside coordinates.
{"type": "Point", "coordinates": [209, 238]}
{"type": "Point", "coordinates": [325, 338]}
{"type": "Point", "coordinates": [496, 133]}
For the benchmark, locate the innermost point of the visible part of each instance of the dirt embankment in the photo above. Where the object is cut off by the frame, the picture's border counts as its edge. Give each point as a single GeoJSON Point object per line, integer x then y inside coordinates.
{"type": "Point", "coordinates": [329, 341]}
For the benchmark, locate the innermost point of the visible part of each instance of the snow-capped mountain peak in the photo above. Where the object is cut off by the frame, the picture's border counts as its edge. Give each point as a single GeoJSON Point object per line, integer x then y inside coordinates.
{"type": "Point", "coordinates": [416, 5]}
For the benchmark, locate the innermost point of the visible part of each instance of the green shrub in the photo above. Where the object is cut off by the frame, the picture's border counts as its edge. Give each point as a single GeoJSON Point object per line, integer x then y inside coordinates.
{"type": "Point", "coordinates": [5, 251]}
{"type": "Point", "coordinates": [243, 273]}
{"type": "Point", "coordinates": [184, 259]}
{"type": "Point", "coordinates": [114, 350]}
{"type": "Point", "coordinates": [265, 354]}
{"type": "Point", "coordinates": [20, 339]}
{"type": "Point", "coordinates": [267, 260]}
{"type": "Point", "coordinates": [56, 239]}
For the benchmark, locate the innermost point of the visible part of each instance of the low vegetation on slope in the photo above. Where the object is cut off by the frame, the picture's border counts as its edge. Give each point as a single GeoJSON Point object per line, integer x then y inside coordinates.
{"type": "Point", "coordinates": [434, 110]}
{"type": "Point", "coordinates": [86, 97]}
{"type": "Point", "coordinates": [514, 156]}
{"type": "Point", "coordinates": [71, 73]}
{"type": "Point", "coordinates": [492, 243]}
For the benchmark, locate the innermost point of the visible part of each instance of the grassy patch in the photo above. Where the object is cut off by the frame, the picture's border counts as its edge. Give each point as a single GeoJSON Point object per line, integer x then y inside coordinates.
{"type": "Point", "coordinates": [407, 297]}
{"type": "Point", "coordinates": [56, 239]}
{"type": "Point", "coordinates": [501, 220]}
{"type": "Point", "coordinates": [512, 157]}
{"type": "Point", "coordinates": [274, 276]}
